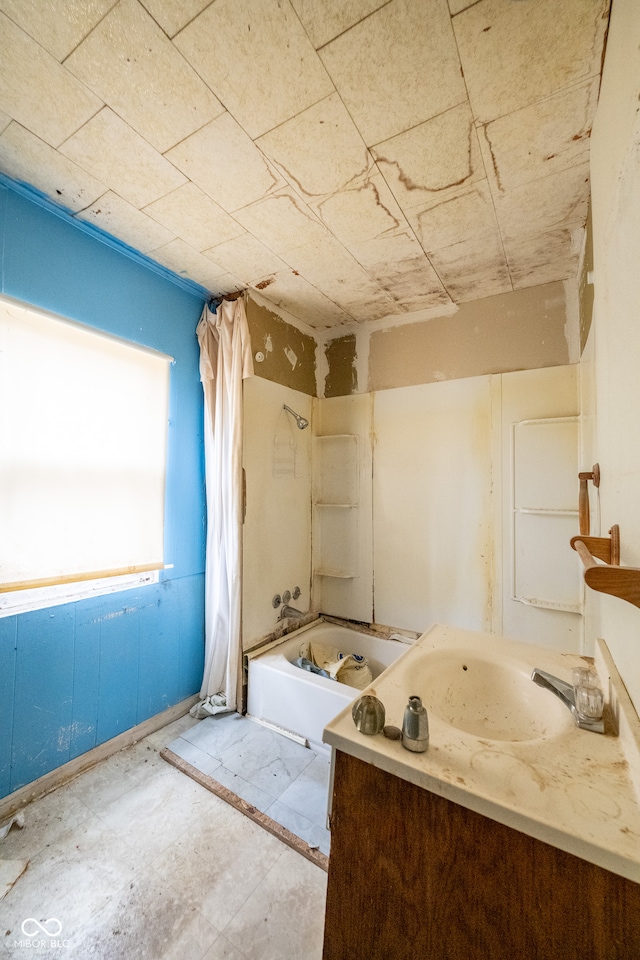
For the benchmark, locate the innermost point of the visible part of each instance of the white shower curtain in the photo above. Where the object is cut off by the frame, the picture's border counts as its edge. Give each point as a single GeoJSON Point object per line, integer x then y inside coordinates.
{"type": "Point", "coordinates": [225, 359]}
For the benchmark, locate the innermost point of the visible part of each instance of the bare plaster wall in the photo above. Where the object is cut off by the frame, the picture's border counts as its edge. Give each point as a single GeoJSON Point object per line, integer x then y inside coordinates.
{"type": "Point", "coordinates": [342, 378]}
{"type": "Point", "coordinates": [289, 354]}
{"type": "Point", "coordinates": [585, 288]}
{"type": "Point", "coordinates": [522, 330]}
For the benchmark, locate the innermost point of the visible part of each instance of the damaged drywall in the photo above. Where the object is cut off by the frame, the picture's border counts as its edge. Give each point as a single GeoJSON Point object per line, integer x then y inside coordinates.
{"type": "Point", "coordinates": [282, 353]}
{"type": "Point", "coordinates": [521, 330]}
{"type": "Point", "coordinates": [585, 288]}
{"type": "Point", "coordinates": [342, 378]}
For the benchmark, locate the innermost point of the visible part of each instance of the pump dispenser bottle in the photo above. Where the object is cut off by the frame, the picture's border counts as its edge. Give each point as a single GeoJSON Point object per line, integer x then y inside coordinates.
{"type": "Point", "coordinates": [415, 726]}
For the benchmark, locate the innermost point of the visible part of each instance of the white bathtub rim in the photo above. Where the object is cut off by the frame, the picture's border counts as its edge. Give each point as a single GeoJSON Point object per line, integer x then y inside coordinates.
{"type": "Point", "coordinates": [276, 659]}
{"type": "Point", "coordinates": [354, 627]}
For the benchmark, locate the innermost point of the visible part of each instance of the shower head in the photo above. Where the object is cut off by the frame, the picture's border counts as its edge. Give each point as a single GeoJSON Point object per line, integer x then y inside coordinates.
{"type": "Point", "coordinates": [302, 423]}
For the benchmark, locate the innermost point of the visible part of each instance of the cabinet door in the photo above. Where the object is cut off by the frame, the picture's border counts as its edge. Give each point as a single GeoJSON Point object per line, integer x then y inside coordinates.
{"type": "Point", "coordinates": [412, 875]}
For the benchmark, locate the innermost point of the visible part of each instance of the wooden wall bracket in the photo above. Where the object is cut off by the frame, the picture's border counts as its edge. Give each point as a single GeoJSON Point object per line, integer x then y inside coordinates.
{"type": "Point", "coordinates": [583, 498]}
{"type": "Point", "coordinates": [608, 577]}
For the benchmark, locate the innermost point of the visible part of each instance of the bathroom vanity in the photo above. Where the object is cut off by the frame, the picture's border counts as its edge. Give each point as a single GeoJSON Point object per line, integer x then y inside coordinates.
{"type": "Point", "coordinates": [516, 835]}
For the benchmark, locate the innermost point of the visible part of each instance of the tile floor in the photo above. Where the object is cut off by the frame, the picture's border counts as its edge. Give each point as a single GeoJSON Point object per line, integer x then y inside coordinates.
{"type": "Point", "coordinates": [278, 776]}
{"type": "Point", "coordinates": [136, 860]}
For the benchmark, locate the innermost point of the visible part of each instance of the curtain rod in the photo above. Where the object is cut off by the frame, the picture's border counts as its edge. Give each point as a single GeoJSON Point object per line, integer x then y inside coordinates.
{"type": "Point", "coordinates": [215, 302]}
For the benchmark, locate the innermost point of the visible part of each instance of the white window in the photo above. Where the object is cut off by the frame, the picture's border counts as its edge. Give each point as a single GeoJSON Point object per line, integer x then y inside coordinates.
{"type": "Point", "coordinates": [83, 435]}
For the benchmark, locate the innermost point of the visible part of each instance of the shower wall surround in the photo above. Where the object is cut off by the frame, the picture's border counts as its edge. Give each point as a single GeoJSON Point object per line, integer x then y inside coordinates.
{"type": "Point", "coordinates": [430, 525]}
{"type": "Point", "coordinates": [277, 528]}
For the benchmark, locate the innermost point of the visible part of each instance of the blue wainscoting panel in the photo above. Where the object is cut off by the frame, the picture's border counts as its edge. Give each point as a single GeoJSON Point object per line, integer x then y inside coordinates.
{"type": "Point", "coordinates": [86, 677]}
{"type": "Point", "coordinates": [43, 711]}
{"type": "Point", "coordinates": [119, 663]}
{"type": "Point", "coordinates": [191, 635]}
{"type": "Point", "coordinates": [159, 650]}
{"type": "Point", "coordinates": [8, 642]}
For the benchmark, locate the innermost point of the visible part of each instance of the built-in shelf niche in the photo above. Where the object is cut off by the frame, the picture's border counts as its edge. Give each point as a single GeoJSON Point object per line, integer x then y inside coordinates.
{"type": "Point", "coordinates": [335, 506]}
{"type": "Point", "coordinates": [544, 460]}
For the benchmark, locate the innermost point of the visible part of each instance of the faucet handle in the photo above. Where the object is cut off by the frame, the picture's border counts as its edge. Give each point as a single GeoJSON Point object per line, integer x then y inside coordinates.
{"type": "Point", "coordinates": [588, 695]}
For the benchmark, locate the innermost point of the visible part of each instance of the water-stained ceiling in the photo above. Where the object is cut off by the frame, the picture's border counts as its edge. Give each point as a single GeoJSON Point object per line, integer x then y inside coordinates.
{"type": "Point", "coordinates": [350, 160]}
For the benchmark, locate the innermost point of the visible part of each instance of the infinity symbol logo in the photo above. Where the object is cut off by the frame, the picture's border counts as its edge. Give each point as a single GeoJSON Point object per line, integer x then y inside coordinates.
{"type": "Point", "coordinates": [51, 927]}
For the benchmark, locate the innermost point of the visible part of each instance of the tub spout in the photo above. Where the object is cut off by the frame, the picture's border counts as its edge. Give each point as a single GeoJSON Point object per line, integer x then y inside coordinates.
{"type": "Point", "coordinates": [290, 613]}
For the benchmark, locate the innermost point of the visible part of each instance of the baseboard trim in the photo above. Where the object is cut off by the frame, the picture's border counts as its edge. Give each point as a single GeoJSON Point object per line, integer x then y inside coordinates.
{"type": "Point", "coordinates": [55, 778]}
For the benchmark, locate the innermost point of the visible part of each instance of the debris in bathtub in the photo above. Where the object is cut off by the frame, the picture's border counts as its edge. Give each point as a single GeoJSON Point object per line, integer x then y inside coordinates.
{"type": "Point", "coordinates": [368, 715]}
{"type": "Point", "coordinates": [311, 667]}
{"type": "Point", "coordinates": [350, 668]}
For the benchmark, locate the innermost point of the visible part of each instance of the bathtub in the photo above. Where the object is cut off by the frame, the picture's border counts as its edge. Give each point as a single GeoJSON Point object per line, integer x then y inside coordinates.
{"type": "Point", "coordinates": [301, 703]}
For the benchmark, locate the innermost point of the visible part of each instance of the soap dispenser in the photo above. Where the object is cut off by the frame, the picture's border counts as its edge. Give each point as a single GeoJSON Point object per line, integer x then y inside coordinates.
{"type": "Point", "coordinates": [415, 726]}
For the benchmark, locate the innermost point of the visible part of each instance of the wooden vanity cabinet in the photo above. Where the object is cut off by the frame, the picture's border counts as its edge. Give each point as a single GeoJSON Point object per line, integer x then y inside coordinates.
{"type": "Point", "coordinates": [413, 876]}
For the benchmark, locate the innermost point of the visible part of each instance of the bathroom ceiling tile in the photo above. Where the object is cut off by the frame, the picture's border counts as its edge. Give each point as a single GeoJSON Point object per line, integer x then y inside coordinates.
{"type": "Point", "coordinates": [469, 214]}
{"type": "Point", "coordinates": [256, 56]}
{"type": "Point", "coordinates": [191, 215]}
{"type": "Point", "coordinates": [333, 271]}
{"type": "Point", "coordinates": [187, 262]}
{"type": "Point", "coordinates": [399, 244]}
{"type": "Point", "coordinates": [108, 147]}
{"type": "Point", "coordinates": [173, 15]}
{"type": "Point", "coordinates": [468, 165]}
{"type": "Point", "coordinates": [246, 258]}
{"type": "Point", "coordinates": [396, 259]}
{"type": "Point", "coordinates": [128, 61]}
{"type": "Point", "coordinates": [58, 27]}
{"type": "Point", "coordinates": [226, 164]}
{"type": "Point", "coordinates": [320, 150]}
{"type": "Point", "coordinates": [25, 157]}
{"type": "Point", "coordinates": [473, 269]}
{"type": "Point", "coordinates": [36, 91]}
{"type": "Point", "coordinates": [543, 138]}
{"type": "Point", "coordinates": [225, 285]}
{"type": "Point", "coordinates": [428, 301]}
{"type": "Point", "coordinates": [533, 208]}
{"type": "Point", "coordinates": [433, 160]}
{"type": "Point", "coordinates": [513, 54]}
{"type": "Point", "coordinates": [326, 20]}
{"type": "Point", "coordinates": [410, 280]}
{"type": "Point", "coordinates": [292, 292]}
{"type": "Point", "coordinates": [455, 6]}
{"type": "Point", "coordinates": [365, 310]}
{"type": "Point", "coordinates": [282, 222]}
{"type": "Point", "coordinates": [546, 257]}
{"type": "Point", "coordinates": [122, 220]}
{"type": "Point", "coordinates": [362, 212]}
{"type": "Point", "coordinates": [397, 68]}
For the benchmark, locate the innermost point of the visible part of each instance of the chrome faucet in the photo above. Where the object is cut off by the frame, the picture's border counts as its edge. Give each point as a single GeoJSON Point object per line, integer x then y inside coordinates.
{"type": "Point", "coordinates": [565, 692]}
{"type": "Point", "coordinates": [288, 613]}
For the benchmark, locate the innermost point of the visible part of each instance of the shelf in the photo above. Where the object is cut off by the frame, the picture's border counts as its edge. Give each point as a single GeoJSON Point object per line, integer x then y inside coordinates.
{"type": "Point", "coordinates": [541, 512]}
{"type": "Point", "coordinates": [336, 574]}
{"type": "Point", "coordinates": [348, 506]}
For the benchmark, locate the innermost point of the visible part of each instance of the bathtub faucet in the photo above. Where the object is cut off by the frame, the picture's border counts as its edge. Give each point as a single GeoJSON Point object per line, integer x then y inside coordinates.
{"type": "Point", "coordinates": [288, 612]}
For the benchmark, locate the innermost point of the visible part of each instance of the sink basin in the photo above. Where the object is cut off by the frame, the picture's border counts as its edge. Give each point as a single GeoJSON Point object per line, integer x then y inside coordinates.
{"type": "Point", "coordinates": [488, 697]}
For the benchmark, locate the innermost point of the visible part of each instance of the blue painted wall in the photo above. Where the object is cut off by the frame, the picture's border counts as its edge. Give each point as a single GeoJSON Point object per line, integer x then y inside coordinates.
{"type": "Point", "coordinates": [76, 675]}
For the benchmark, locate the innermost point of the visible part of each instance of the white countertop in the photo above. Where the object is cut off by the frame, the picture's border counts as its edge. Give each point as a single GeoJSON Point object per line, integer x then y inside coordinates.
{"type": "Point", "coordinates": [574, 789]}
